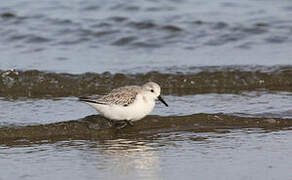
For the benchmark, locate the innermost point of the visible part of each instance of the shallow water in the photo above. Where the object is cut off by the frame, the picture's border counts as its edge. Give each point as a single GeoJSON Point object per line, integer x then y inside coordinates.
{"type": "Point", "coordinates": [256, 104]}
{"type": "Point", "coordinates": [224, 67]}
{"type": "Point", "coordinates": [223, 150]}
{"type": "Point", "coordinates": [240, 154]}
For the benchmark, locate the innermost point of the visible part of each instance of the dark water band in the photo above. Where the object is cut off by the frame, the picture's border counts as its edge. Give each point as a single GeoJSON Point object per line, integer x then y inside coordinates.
{"type": "Point", "coordinates": [96, 127]}
{"type": "Point", "coordinates": [208, 80]}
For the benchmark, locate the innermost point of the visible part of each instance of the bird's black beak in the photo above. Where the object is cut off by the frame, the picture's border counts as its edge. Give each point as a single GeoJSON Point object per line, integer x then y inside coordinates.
{"type": "Point", "coordinates": [160, 99]}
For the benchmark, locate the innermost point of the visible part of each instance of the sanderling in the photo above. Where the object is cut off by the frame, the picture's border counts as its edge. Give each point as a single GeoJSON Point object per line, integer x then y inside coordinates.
{"type": "Point", "coordinates": [128, 103]}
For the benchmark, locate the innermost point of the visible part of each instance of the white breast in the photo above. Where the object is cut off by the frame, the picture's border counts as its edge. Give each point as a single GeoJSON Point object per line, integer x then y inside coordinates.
{"type": "Point", "coordinates": [135, 111]}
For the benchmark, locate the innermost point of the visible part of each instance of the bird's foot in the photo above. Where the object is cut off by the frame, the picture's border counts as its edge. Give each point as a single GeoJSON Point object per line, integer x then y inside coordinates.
{"type": "Point", "coordinates": [130, 123]}
{"type": "Point", "coordinates": [122, 124]}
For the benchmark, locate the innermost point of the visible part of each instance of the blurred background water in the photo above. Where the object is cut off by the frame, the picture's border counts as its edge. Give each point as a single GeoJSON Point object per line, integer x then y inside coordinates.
{"type": "Point", "coordinates": [96, 36]}
{"type": "Point", "coordinates": [220, 56]}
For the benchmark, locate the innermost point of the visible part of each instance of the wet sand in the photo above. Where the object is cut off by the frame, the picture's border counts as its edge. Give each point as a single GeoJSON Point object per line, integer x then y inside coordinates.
{"type": "Point", "coordinates": [96, 127]}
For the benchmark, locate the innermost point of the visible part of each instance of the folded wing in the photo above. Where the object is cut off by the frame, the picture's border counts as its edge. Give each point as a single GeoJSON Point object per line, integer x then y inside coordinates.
{"type": "Point", "coordinates": [123, 96]}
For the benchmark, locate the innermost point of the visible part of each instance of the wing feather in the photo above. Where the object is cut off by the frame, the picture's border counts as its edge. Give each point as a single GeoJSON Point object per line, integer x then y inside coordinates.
{"type": "Point", "coordinates": [121, 96]}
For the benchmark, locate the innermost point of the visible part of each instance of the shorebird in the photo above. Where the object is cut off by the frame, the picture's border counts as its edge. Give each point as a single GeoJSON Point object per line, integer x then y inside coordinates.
{"type": "Point", "coordinates": [128, 103]}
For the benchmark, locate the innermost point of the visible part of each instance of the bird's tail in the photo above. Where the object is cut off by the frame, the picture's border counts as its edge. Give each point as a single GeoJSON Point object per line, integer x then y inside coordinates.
{"type": "Point", "coordinates": [86, 99]}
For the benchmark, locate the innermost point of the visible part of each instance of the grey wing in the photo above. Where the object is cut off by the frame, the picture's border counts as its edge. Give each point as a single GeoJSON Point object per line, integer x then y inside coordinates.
{"type": "Point", "coordinates": [120, 96]}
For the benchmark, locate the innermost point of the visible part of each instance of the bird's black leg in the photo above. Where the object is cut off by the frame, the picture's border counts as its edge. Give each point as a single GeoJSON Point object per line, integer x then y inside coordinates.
{"type": "Point", "coordinates": [130, 123]}
{"type": "Point", "coordinates": [123, 123]}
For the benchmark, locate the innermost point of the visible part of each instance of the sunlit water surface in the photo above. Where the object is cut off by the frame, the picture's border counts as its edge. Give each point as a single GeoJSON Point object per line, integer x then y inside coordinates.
{"type": "Point", "coordinates": [239, 154]}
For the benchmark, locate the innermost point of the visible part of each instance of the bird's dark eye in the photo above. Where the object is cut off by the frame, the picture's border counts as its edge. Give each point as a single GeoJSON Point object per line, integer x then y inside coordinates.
{"type": "Point", "coordinates": [152, 90]}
